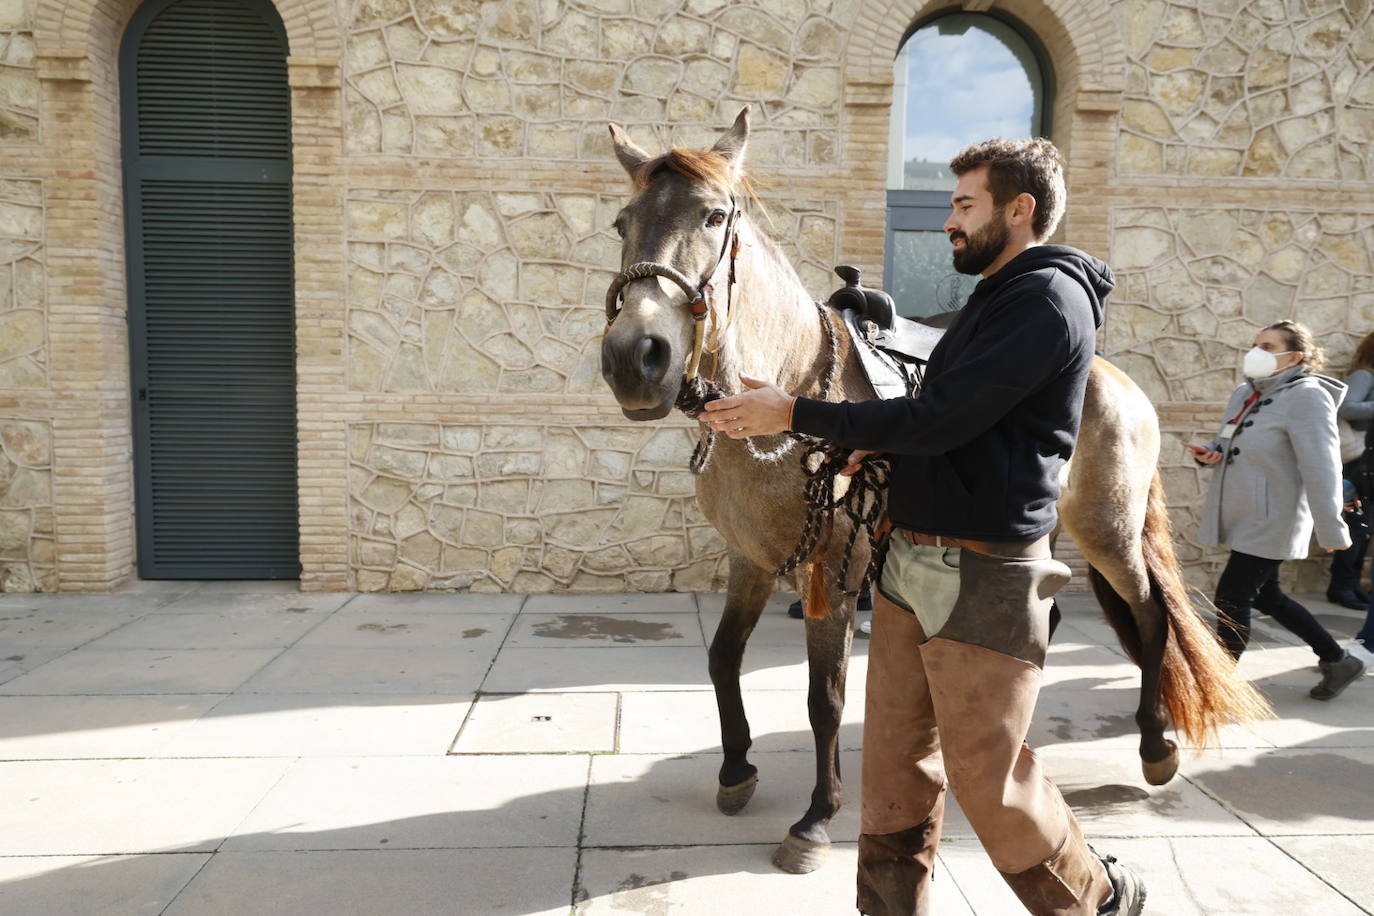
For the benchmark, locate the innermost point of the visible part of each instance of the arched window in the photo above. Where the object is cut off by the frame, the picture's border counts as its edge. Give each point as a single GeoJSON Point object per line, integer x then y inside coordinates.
{"type": "Point", "coordinates": [959, 79]}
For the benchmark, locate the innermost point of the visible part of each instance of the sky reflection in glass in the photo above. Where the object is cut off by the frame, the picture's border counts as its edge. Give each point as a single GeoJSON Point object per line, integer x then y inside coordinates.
{"type": "Point", "coordinates": [960, 80]}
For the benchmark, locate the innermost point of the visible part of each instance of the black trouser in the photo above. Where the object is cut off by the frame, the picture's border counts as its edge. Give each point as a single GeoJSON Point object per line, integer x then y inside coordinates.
{"type": "Point", "coordinates": [1347, 565]}
{"type": "Point", "coordinates": [1249, 581]}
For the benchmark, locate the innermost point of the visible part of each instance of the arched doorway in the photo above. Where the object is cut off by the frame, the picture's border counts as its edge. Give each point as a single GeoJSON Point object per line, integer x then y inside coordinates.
{"type": "Point", "coordinates": [206, 140]}
{"type": "Point", "coordinates": [959, 78]}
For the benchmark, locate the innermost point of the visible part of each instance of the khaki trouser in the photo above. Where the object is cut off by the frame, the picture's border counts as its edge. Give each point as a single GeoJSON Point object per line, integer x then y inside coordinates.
{"type": "Point", "coordinates": [954, 709]}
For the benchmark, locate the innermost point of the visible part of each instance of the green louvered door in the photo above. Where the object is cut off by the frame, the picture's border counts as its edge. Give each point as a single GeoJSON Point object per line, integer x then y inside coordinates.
{"type": "Point", "coordinates": [206, 127]}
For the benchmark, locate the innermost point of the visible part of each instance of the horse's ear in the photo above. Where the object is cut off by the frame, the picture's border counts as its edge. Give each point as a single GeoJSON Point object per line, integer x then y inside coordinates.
{"type": "Point", "coordinates": [631, 157]}
{"type": "Point", "coordinates": [732, 145]}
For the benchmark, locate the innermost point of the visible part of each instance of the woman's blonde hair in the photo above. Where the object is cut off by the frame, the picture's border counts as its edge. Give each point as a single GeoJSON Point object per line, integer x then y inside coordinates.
{"type": "Point", "coordinates": [1299, 338]}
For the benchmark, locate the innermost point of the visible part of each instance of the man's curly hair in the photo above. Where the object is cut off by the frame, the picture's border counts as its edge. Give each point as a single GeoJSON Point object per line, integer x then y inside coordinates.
{"type": "Point", "coordinates": [1032, 166]}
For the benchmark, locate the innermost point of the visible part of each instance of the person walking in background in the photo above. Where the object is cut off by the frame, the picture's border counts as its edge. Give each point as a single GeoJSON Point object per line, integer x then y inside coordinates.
{"type": "Point", "coordinates": [1358, 410]}
{"type": "Point", "coordinates": [1277, 475]}
{"type": "Point", "coordinates": [1356, 414]}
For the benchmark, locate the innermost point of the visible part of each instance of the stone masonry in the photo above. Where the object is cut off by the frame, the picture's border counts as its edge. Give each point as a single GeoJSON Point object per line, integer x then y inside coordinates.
{"type": "Point", "coordinates": [454, 189]}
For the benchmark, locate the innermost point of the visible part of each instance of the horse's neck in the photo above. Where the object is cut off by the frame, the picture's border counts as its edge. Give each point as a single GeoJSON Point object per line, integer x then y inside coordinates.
{"type": "Point", "coordinates": [775, 332]}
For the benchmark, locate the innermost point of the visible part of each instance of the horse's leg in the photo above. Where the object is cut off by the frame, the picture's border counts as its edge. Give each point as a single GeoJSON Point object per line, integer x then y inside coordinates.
{"type": "Point", "coordinates": [1121, 581]}
{"type": "Point", "coordinates": [807, 843]}
{"type": "Point", "coordinates": [747, 592]}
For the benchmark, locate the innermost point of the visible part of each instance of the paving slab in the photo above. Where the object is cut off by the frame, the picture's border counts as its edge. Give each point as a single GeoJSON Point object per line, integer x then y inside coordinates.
{"type": "Point", "coordinates": [1294, 791]}
{"type": "Point", "coordinates": [82, 885]}
{"type": "Point", "coordinates": [130, 671]}
{"type": "Point", "coordinates": [647, 800]}
{"type": "Point", "coordinates": [204, 601]}
{"type": "Point", "coordinates": [419, 882]}
{"type": "Point", "coordinates": [433, 603]}
{"type": "Point", "coordinates": [407, 629]}
{"type": "Point", "coordinates": [725, 879]}
{"type": "Point", "coordinates": [643, 603]}
{"type": "Point", "coordinates": [1110, 798]}
{"type": "Point", "coordinates": [1184, 876]}
{"type": "Point", "coordinates": [41, 628]}
{"type": "Point", "coordinates": [315, 725]}
{"type": "Point", "coordinates": [17, 660]}
{"type": "Point", "coordinates": [540, 723]}
{"type": "Point", "coordinates": [599, 669]}
{"type": "Point", "coordinates": [420, 803]}
{"type": "Point", "coordinates": [686, 722]}
{"type": "Point", "coordinates": [238, 629]}
{"type": "Point", "coordinates": [380, 670]}
{"type": "Point", "coordinates": [590, 630]}
{"type": "Point", "coordinates": [107, 807]}
{"type": "Point", "coordinates": [42, 727]}
{"type": "Point", "coordinates": [1341, 861]}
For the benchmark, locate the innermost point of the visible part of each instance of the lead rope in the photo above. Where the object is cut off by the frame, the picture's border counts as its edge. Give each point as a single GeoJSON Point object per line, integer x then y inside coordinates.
{"type": "Point", "coordinates": [821, 462]}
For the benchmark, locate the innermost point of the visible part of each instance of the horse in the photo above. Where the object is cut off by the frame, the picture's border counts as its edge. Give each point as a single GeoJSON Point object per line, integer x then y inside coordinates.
{"type": "Point", "coordinates": [687, 231]}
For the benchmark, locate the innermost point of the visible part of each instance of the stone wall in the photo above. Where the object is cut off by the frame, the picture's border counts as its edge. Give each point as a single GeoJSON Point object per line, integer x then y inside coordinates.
{"type": "Point", "coordinates": [454, 189]}
{"type": "Point", "coordinates": [28, 559]}
{"type": "Point", "coordinates": [18, 76]}
{"type": "Point", "coordinates": [1261, 89]}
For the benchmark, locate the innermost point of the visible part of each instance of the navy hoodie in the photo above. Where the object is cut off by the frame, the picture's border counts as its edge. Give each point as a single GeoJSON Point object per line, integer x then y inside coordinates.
{"type": "Point", "coordinates": [979, 453]}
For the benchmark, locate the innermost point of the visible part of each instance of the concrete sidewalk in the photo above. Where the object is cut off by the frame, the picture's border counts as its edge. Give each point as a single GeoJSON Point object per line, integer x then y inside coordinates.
{"type": "Point", "coordinates": [244, 748]}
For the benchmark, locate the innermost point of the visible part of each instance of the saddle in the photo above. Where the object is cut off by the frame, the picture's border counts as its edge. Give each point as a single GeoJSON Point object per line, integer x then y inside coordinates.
{"type": "Point", "coordinates": [892, 350]}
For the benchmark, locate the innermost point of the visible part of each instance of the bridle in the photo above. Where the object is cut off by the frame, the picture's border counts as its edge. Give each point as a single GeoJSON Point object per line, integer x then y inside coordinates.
{"type": "Point", "coordinates": [699, 297]}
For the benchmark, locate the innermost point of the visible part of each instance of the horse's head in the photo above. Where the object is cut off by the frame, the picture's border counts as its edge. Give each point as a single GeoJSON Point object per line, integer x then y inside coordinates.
{"type": "Point", "coordinates": [681, 217]}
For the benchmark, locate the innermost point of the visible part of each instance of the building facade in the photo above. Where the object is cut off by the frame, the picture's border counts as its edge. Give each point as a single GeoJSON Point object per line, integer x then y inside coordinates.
{"type": "Point", "coordinates": [451, 189]}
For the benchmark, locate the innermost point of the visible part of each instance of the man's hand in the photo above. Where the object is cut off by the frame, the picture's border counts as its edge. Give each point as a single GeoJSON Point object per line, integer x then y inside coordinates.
{"type": "Point", "coordinates": [762, 411]}
{"type": "Point", "coordinates": [851, 466]}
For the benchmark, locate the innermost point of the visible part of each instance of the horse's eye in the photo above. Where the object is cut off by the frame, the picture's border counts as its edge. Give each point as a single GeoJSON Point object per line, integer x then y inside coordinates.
{"type": "Point", "coordinates": [716, 219]}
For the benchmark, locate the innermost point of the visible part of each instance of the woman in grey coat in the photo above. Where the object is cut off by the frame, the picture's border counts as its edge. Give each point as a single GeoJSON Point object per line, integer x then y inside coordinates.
{"type": "Point", "coordinates": [1277, 477]}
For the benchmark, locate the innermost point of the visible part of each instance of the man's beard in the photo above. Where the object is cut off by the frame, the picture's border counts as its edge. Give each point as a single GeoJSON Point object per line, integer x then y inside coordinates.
{"type": "Point", "coordinates": [983, 247]}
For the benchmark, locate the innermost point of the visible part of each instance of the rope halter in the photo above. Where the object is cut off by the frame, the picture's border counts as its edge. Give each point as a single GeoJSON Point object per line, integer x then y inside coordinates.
{"type": "Point", "coordinates": [698, 296]}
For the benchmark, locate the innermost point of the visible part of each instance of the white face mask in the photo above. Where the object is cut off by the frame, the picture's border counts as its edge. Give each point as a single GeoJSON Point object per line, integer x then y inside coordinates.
{"type": "Point", "coordinates": [1261, 363]}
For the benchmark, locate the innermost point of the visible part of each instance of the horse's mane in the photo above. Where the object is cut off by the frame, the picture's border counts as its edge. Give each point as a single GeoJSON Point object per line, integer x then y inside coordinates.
{"type": "Point", "coordinates": [702, 166]}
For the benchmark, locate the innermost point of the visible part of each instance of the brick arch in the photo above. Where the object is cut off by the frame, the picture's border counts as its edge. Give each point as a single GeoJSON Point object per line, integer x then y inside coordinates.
{"type": "Point", "coordinates": [83, 28]}
{"type": "Point", "coordinates": [1081, 37]}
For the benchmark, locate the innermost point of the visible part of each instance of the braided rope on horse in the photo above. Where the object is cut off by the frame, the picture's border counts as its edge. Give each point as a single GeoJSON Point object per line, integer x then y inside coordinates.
{"type": "Point", "coordinates": [821, 461]}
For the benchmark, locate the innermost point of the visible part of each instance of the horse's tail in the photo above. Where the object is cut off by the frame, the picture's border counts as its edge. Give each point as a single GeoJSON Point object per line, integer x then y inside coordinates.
{"type": "Point", "coordinates": [1199, 683]}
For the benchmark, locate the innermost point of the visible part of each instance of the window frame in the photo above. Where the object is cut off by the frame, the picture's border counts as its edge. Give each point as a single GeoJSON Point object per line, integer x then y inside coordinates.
{"type": "Point", "coordinates": [918, 210]}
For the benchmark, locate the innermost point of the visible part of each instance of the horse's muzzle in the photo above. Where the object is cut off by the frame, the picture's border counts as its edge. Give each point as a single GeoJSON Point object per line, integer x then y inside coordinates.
{"type": "Point", "coordinates": [638, 370]}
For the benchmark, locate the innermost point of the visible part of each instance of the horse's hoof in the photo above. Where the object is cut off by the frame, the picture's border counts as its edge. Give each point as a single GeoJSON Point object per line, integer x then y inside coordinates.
{"type": "Point", "coordinates": [1158, 772]}
{"type": "Point", "coordinates": [732, 799]}
{"type": "Point", "coordinates": [800, 857]}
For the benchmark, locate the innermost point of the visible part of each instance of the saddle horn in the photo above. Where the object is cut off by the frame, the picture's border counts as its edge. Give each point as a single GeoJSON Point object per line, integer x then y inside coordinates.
{"type": "Point", "coordinates": [873, 304]}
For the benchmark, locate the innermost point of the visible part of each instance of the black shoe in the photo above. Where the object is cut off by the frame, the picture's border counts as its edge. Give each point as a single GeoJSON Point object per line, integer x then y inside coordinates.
{"type": "Point", "coordinates": [1336, 676]}
{"type": "Point", "coordinates": [865, 602]}
{"type": "Point", "coordinates": [794, 610]}
{"type": "Point", "coordinates": [1348, 599]}
{"type": "Point", "coordinates": [1360, 594]}
{"type": "Point", "coordinates": [1128, 891]}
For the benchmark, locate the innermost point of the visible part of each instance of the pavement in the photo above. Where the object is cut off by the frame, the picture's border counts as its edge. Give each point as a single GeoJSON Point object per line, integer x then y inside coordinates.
{"type": "Point", "coordinates": [246, 748]}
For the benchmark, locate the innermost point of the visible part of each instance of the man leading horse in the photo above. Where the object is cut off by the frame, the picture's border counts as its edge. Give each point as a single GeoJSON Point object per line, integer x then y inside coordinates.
{"type": "Point", "coordinates": [961, 619]}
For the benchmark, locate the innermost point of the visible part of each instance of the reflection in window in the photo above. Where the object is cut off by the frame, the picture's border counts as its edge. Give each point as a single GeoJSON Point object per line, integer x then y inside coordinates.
{"type": "Point", "coordinates": [961, 79]}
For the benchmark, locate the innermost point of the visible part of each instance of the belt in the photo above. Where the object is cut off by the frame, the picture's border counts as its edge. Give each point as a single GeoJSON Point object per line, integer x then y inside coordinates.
{"type": "Point", "coordinates": [995, 548]}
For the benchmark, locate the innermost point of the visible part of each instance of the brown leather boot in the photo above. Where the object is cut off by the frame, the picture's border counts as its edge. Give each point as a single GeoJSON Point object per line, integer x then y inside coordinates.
{"type": "Point", "coordinates": [1072, 882]}
{"type": "Point", "coordinates": [895, 869]}
{"type": "Point", "coordinates": [903, 778]}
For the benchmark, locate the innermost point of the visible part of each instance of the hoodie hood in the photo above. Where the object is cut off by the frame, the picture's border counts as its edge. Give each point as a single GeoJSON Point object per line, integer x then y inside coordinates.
{"type": "Point", "coordinates": [1087, 271]}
